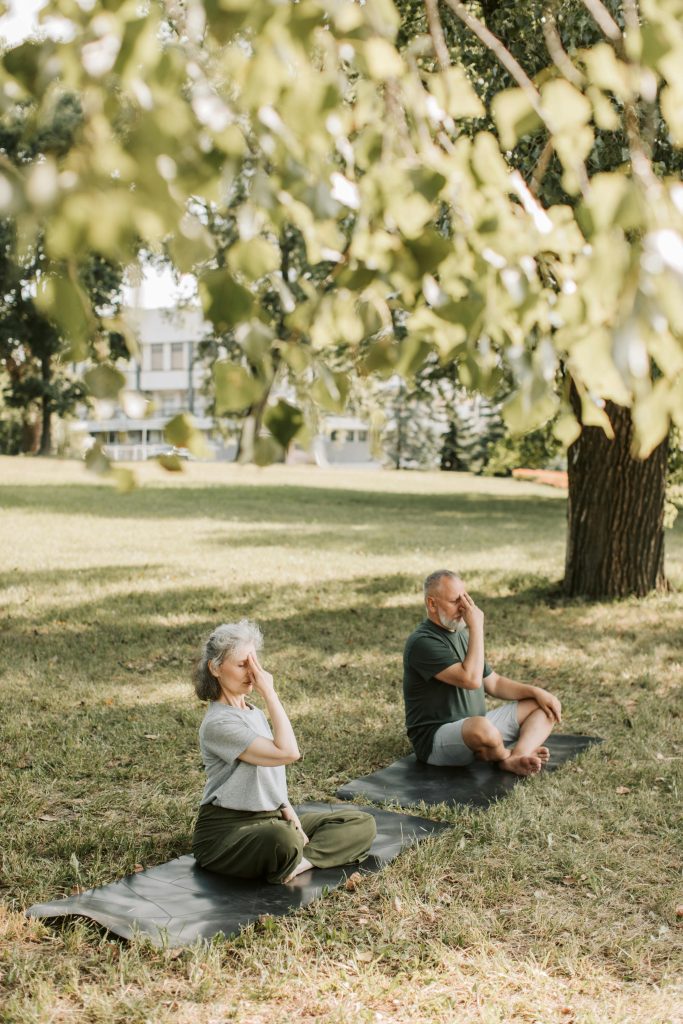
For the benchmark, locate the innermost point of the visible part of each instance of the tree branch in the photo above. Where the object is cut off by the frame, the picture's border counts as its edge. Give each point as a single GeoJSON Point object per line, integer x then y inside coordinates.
{"type": "Point", "coordinates": [631, 14]}
{"type": "Point", "coordinates": [437, 34]}
{"type": "Point", "coordinates": [541, 167]}
{"type": "Point", "coordinates": [604, 20]}
{"type": "Point", "coordinates": [557, 51]}
{"type": "Point", "coordinates": [496, 47]}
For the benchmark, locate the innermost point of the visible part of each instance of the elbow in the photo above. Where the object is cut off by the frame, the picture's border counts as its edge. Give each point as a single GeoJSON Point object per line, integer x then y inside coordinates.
{"type": "Point", "coordinates": [290, 756]}
{"type": "Point", "coordinates": [472, 683]}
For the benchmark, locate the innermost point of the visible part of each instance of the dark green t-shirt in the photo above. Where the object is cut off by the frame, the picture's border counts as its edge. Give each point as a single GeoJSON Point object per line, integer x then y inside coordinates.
{"type": "Point", "coordinates": [429, 702]}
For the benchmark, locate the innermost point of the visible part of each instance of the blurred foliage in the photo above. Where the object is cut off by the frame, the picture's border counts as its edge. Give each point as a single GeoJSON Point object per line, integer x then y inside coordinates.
{"type": "Point", "coordinates": [35, 345]}
{"type": "Point", "coordinates": [328, 178]}
{"type": "Point", "coordinates": [539, 449]}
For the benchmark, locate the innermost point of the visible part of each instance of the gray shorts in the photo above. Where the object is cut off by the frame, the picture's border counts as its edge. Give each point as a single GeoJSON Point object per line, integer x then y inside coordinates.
{"type": "Point", "coordinates": [448, 747]}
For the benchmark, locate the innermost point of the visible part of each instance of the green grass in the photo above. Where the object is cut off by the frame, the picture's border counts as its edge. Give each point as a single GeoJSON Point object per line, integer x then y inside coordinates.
{"type": "Point", "coordinates": [558, 904]}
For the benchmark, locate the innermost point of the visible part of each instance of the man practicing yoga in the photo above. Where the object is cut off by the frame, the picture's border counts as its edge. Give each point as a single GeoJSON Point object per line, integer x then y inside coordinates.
{"type": "Point", "coordinates": [445, 677]}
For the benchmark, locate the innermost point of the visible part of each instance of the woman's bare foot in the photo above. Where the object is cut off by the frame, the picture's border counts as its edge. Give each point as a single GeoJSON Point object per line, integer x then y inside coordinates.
{"type": "Point", "coordinates": [543, 754]}
{"type": "Point", "coordinates": [303, 865]}
{"type": "Point", "coordinates": [521, 764]}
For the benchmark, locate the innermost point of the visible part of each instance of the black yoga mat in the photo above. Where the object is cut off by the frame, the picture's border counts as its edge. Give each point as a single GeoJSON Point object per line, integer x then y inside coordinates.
{"type": "Point", "coordinates": [178, 902]}
{"type": "Point", "coordinates": [408, 781]}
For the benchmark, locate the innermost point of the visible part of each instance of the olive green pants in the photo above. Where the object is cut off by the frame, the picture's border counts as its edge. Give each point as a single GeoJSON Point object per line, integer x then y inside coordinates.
{"type": "Point", "coordinates": [258, 844]}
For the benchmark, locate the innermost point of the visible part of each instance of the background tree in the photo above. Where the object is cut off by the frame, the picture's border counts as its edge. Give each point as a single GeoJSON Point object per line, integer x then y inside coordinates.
{"type": "Point", "coordinates": [378, 154]}
{"type": "Point", "coordinates": [38, 379]}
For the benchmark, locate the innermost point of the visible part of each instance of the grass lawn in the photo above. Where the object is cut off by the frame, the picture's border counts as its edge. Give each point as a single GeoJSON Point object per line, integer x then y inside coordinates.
{"type": "Point", "coordinates": [558, 904]}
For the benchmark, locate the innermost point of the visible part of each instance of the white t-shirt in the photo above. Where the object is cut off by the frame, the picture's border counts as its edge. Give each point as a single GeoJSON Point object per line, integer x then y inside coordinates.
{"type": "Point", "coordinates": [224, 734]}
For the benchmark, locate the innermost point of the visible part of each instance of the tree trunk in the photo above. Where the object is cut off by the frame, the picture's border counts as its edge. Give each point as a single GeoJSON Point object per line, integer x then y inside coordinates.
{"type": "Point", "coordinates": [615, 535]}
{"type": "Point", "coordinates": [46, 407]}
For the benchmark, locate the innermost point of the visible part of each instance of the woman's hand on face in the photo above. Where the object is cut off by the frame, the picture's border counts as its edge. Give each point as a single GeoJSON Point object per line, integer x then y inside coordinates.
{"type": "Point", "coordinates": [261, 680]}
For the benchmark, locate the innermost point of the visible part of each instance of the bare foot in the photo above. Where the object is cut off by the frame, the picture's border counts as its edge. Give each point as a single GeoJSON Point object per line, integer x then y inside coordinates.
{"type": "Point", "coordinates": [543, 754]}
{"type": "Point", "coordinates": [521, 764]}
{"type": "Point", "coordinates": [303, 865]}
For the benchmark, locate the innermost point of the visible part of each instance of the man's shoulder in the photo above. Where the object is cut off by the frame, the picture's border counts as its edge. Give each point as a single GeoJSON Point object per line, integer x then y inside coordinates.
{"type": "Point", "coordinates": [427, 633]}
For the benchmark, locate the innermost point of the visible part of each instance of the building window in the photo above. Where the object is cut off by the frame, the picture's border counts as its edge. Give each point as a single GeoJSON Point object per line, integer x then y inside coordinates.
{"type": "Point", "coordinates": [173, 401]}
{"type": "Point", "coordinates": [177, 355]}
{"type": "Point", "coordinates": [156, 357]}
{"type": "Point", "coordinates": [362, 435]}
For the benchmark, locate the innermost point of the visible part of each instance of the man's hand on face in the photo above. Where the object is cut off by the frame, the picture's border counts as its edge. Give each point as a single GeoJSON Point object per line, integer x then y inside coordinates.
{"type": "Point", "coordinates": [471, 614]}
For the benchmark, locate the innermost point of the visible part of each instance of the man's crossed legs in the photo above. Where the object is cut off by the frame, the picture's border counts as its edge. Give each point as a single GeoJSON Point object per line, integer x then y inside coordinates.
{"type": "Point", "coordinates": [487, 738]}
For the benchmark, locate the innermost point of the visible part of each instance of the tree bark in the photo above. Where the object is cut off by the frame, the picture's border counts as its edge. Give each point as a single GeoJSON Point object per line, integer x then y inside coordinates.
{"type": "Point", "coordinates": [46, 407]}
{"type": "Point", "coordinates": [615, 528]}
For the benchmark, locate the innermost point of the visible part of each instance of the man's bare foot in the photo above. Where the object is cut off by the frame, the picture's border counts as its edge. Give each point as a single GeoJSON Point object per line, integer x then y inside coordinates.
{"type": "Point", "coordinates": [303, 865]}
{"type": "Point", "coordinates": [543, 754]}
{"type": "Point", "coordinates": [521, 764]}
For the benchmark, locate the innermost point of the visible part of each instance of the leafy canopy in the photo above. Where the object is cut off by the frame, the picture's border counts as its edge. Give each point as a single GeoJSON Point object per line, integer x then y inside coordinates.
{"type": "Point", "coordinates": [310, 116]}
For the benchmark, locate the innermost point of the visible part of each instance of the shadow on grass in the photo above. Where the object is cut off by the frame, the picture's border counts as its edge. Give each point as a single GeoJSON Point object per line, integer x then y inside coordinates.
{"type": "Point", "coordinates": [102, 742]}
{"type": "Point", "coordinates": [155, 635]}
{"type": "Point", "coordinates": [286, 503]}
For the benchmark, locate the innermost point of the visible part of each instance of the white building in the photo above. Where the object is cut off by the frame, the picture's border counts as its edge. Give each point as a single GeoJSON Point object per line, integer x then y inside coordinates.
{"type": "Point", "coordinates": [167, 379]}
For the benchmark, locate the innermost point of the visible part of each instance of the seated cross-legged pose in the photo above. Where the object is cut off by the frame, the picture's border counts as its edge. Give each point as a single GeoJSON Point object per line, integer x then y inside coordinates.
{"type": "Point", "coordinates": [246, 826]}
{"type": "Point", "coordinates": [445, 679]}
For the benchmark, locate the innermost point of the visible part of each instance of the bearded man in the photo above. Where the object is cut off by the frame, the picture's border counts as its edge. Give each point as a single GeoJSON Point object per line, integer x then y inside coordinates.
{"type": "Point", "coordinates": [445, 681]}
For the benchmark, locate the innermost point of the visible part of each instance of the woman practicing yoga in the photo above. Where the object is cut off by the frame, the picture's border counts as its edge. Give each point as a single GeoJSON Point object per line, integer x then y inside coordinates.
{"type": "Point", "coordinates": [246, 826]}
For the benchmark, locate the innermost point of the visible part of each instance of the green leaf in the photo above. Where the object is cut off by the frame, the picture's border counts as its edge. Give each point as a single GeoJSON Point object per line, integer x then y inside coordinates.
{"type": "Point", "coordinates": [606, 71]}
{"type": "Point", "coordinates": [267, 450]}
{"type": "Point", "coordinates": [656, 43]}
{"type": "Point", "coordinates": [522, 414]}
{"type": "Point", "coordinates": [671, 102]}
{"type": "Point", "coordinates": [284, 421]}
{"type": "Point", "coordinates": [124, 479]}
{"type": "Point", "coordinates": [514, 115]}
{"type": "Point", "coordinates": [612, 199]}
{"type": "Point", "coordinates": [173, 463]}
{"type": "Point", "coordinates": [381, 357]}
{"type": "Point", "coordinates": [226, 17]}
{"type": "Point", "coordinates": [68, 306]}
{"type": "Point", "coordinates": [487, 162]}
{"type": "Point", "coordinates": [104, 381]}
{"type": "Point", "coordinates": [454, 93]}
{"type": "Point", "coordinates": [96, 461]}
{"type": "Point", "coordinates": [330, 390]}
{"type": "Point", "coordinates": [182, 432]}
{"type": "Point", "coordinates": [410, 213]}
{"type": "Point", "coordinates": [235, 388]}
{"type": "Point", "coordinates": [254, 258]}
{"type": "Point", "coordinates": [567, 429]}
{"type": "Point", "coordinates": [429, 250]}
{"type": "Point", "coordinates": [566, 107]}
{"type": "Point", "coordinates": [297, 357]}
{"type": "Point", "coordinates": [225, 302]}
{"type": "Point", "coordinates": [191, 248]}
{"type": "Point", "coordinates": [24, 63]}
{"type": "Point", "coordinates": [651, 419]}
{"type": "Point", "coordinates": [382, 60]}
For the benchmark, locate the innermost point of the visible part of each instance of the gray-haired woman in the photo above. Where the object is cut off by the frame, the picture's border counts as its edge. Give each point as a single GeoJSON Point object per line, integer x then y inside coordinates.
{"type": "Point", "coordinates": [246, 826]}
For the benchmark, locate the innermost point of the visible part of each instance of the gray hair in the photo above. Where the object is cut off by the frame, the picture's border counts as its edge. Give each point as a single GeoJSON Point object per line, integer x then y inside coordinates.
{"type": "Point", "coordinates": [223, 642]}
{"type": "Point", "coordinates": [432, 581]}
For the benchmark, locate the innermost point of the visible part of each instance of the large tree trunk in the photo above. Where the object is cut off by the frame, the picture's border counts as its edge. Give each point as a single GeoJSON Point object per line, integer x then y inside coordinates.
{"type": "Point", "coordinates": [615, 537]}
{"type": "Point", "coordinates": [46, 407]}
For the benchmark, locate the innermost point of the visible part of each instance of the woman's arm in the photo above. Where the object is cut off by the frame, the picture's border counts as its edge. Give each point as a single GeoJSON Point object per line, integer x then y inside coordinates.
{"type": "Point", "coordinates": [283, 748]}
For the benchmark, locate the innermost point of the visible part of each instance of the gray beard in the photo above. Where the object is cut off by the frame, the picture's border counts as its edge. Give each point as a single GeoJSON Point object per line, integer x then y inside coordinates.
{"type": "Point", "coordinates": [454, 625]}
